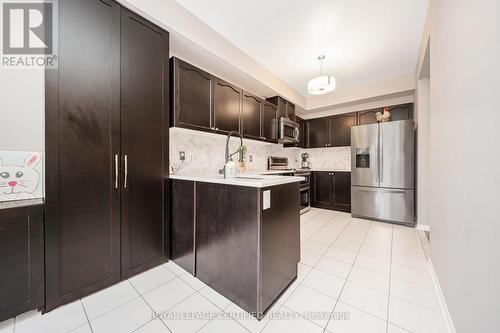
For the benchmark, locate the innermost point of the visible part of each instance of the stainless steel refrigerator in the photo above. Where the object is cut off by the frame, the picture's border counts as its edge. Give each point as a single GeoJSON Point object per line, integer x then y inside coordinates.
{"type": "Point", "coordinates": [382, 171]}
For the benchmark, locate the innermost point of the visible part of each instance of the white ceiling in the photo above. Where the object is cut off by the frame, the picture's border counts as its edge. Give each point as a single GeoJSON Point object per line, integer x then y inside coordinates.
{"type": "Point", "coordinates": [363, 40]}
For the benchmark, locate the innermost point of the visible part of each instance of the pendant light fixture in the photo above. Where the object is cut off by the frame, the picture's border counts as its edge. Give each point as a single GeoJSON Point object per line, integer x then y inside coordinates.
{"type": "Point", "coordinates": [321, 84]}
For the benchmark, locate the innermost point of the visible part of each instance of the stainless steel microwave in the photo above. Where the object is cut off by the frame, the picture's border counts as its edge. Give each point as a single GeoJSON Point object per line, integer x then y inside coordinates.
{"type": "Point", "coordinates": [288, 131]}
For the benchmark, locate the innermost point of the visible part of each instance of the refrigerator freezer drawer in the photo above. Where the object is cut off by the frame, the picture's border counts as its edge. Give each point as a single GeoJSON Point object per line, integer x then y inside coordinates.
{"type": "Point", "coordinates": [391, 205]}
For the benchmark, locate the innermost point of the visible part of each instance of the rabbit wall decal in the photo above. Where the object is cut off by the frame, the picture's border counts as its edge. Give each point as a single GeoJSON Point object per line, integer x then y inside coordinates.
{"type": "Point", "coordinates": [18, 182]}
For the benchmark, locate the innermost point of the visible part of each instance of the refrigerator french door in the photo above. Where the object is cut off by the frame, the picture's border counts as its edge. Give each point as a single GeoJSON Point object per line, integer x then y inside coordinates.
{"type": "Point", "coordinates": [382, 171]}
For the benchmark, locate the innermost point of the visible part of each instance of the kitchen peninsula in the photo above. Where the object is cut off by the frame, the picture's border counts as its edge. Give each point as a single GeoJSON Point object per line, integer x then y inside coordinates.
{"type": "Point", "coordinates": [240, 236]}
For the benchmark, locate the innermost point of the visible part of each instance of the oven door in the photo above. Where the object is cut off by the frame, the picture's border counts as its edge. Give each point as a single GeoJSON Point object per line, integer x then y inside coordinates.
{"type": "Point", "coordinates": [305, 199]}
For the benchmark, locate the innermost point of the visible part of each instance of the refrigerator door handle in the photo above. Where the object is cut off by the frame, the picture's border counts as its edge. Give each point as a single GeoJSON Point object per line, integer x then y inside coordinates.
{"type": "Point", "coordinates": [381, 158]}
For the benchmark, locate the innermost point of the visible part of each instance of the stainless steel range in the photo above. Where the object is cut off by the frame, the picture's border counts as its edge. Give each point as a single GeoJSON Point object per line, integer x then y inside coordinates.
{"type": "Point", "coordinates": [281, 164]}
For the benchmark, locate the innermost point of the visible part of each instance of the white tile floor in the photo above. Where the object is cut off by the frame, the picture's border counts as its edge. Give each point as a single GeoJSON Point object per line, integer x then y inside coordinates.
{"type": "Point", "coordinates": [355, 276]}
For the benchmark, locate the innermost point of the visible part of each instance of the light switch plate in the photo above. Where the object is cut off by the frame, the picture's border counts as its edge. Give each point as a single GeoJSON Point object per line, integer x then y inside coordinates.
{"type": "Point", "coordinates": [266, 199]}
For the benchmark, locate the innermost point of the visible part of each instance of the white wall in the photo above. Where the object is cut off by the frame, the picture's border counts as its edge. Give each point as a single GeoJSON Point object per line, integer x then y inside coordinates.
{"type": "Point", "coordinates": [464, 158]}
{"type": "Point", "coordinates": [361, 105]}
{"type": "Point", "coordinates": [22, 98]}
{"type": "Point", "coordinates": [423, 147]}
{"type": "Point", "coordinates": [382, 87]}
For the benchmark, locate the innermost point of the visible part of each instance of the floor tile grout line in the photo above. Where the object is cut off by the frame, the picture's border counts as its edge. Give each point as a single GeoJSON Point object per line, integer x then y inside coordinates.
{"type": "Point", "coordinates": [222, 309]}
{"type": "Point", "coordinates": [314, 267]}
{"type": "Point", "coordinates": [346, 280]}
{"type": "Point", "coordinates": [390, 281]}
{"type": "Point", "coordinates": [86, 315]}
{"type": "Point", "coordinates": [149, 305]}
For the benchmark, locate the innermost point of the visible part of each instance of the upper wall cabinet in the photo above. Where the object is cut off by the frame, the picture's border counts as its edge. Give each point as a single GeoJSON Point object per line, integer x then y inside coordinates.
{"type": "Point", "coordinates": [398, 112]}
{"type": "Point", "coordinates": [251, 118]}
{"type": "Point", "coordinates": [192, 96]}
{"type": "Point", "coordinates": [339, 129]}
{"type": "Point", "coordinates": [286, 109]}
{"type": "Point", "coordinates": [227, 107]}
{"type": "Point", "coordinates": [330, 131]}
{"type": "Point", "coordinates": [202, 101]}
{"type": "Point", "coordinates": [317, 133]}
{"type": "Point", "coordinates": [270, 122]}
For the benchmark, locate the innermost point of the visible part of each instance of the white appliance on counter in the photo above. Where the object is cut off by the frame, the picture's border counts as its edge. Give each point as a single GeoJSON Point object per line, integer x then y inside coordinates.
{"type": "Point", "coordinates": [281, 164]}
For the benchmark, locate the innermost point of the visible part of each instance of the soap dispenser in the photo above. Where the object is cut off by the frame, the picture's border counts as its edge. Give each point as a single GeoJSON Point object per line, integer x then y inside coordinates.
{"type": "Point", "coordinates": [230, 169]}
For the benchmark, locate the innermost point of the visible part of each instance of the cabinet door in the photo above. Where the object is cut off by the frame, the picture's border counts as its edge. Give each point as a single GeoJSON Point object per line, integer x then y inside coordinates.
{"type": "Point", "coordinates": [144, 136]}
{"type": "Point", "coordinates": [251, 119]}
{"type": "Point", "coordinates": [290, 111]}
{"type": "Point", "coordinates": [21, 259]}
{"type": "Point", "coordinates": [269, 122]}
{"type": "Point", "coordinates": [227, 107]}
{"type": "Point", "coordinates": [368, 116]}
{"type": "Point", "coordinates": [342, 191]}
{"type": "Point", "coordinates": [183, 194]}
{"type": "Point", "coordinates": [322, 196]}
{"type": "Point", "coordinates": [401, 112]}
{"type": "Point", "coordinates": [317, 133]}
{"type": "Point", "coordinates": [192, 96]}
{"type": "Point", "coordinates": [82, 135]}
{"type": "Point", "coordinates": [339, 129]}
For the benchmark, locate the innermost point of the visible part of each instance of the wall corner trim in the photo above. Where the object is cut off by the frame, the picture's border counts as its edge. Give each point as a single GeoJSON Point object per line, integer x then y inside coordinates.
{"type": "Point", "coordinates": [450, 328]}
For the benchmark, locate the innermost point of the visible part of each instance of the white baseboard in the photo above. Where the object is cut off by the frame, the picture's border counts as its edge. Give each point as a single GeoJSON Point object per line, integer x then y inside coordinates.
{"type": "Point", "coordinates": [450, 328]}
{"type": "Point", "coordinates": [423, 227]}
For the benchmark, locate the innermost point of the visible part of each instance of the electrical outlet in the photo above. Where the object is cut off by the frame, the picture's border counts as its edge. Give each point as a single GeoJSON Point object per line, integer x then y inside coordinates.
{"type": "Point", "coordinates": [182, 155]}
{"type": "Point", "coordinates": [250, 158]}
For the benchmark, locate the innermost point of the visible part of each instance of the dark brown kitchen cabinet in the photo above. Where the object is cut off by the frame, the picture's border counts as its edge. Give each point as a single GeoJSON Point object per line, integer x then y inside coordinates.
{"type": "Point", "coordinates": [339, 129]}
{"type": "Point", "coordinates": [252, 117]}
{"type": "Point", "coordinates": [21, 257]}
{"type": "Point", "coordinates": [367, 117]}
{"type": "Point", "coordinates": [182, 219]}
{"type": "Point", "coordinates": [227, 100]}
{"type": "Point", "coordinates": [398, 112]}
{"type": "Point", "coordinates": [322, 194]}
{"type": "Point", "coordinates": [249, 254]}
{"type": "Point", "coordinates": [144, 142]}
{"type": "Point", "coordinates": [290, 111]}
{"type": "Point", "coordinates": [191, 96]}
{"type": "Point", "coordinates": [331, 190]}
{"type": "Point", "coordinates": [342, 191]}
{"type": "Point", "coordinates": [332, 131]}
{"type": "Point", "coordinates": [106, 149]}
{"type": "Point", "coordinates": [401, 112]}
{"type": "Point", "coordinates": [317, 133]}
{"type": "Point", "coordinates": [270, 122]}
{"type": "Point", "coordinates": [286, 109]}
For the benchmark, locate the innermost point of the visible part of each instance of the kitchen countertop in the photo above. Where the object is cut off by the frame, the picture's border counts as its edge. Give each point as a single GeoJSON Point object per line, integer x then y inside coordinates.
{"type": "Point", "coordinates": [275, 172]}
{"type": "Point", "coordinates": [247, 179]}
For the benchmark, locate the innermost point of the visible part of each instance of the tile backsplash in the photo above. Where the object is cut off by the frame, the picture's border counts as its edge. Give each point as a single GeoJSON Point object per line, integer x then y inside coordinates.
{"type": "Point", "coordinates": [205, 153]}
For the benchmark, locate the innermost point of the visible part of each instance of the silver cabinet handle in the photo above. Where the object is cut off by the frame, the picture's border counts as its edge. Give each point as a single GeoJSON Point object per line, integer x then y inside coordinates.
{"type": "Point", "coordinates": [116, 170]}
{"type": "Point", "coordinates": [125, 160]}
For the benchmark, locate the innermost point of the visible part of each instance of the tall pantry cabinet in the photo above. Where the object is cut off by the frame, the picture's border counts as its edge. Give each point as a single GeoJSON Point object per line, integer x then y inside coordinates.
{"type": "Point", "coordinates": [106, 150]}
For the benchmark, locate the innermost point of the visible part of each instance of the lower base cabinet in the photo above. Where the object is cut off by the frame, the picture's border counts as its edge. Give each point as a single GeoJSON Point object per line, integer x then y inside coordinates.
{"type": "Point", "coordinates": [21, 257]}
{"type": "Point", "coordinates": [331, 190]}
{"type": "Point", "coordinates": [223, 236]}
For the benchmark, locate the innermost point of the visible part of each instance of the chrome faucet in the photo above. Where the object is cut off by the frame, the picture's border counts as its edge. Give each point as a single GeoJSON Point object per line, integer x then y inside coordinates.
{"type": "Point", "coordinates": [227, 155]}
